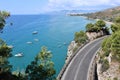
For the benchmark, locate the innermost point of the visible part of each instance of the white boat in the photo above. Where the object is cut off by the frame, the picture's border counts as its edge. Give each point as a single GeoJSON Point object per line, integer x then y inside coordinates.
{"type": "Point", "coordinates": [59, 46]}
{"type": "Point", "coordinates": [64, 43]}
{"type": "Point", "coordinates": [36, 40]}
{"type": "Point", "coordinates": [29, 42]}
{"type": "Point", "coordinates": [34, 32]}
{"type": "Point", "coordinates": [19, 54]}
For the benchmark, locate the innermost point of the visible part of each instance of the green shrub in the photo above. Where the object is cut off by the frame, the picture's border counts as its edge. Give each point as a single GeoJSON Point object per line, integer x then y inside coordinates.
{"type": "Point", "coordinates": [105, 65]}
{"type": "Point", "coordinates": [115, 78]}
{"type": "Point", "coordinates": [80, 37]}
{"type": "Point", "coordinates": [75, 49]}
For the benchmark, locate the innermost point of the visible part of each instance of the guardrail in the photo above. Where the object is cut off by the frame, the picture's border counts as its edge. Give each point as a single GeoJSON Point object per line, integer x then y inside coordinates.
{"type": "Point", "coordinates": [66, 64]}
{"type": "Point", "coordinates": [91, 70]}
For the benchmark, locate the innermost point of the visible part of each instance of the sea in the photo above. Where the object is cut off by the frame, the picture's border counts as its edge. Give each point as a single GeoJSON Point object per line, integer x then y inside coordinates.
{"type": "Point", "coordinates": [54, 31]}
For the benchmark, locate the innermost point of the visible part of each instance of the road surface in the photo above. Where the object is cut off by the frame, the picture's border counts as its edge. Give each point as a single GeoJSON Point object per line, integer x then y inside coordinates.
{"type": "Point", "coordinates": [79, 66]}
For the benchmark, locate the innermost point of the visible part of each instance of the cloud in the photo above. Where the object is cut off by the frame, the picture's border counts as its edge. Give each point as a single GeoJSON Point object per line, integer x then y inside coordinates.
{"type": "Point", "coordinates": [80, 4]}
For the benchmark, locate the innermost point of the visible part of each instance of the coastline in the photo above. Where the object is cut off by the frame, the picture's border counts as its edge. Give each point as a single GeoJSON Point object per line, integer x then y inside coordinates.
{"type": "Point", "coordinates": [72, 45]}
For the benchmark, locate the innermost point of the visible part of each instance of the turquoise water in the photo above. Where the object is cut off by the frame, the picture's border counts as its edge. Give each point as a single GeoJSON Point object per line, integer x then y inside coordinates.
{"type": "Point", "coordinates": [55, 32]}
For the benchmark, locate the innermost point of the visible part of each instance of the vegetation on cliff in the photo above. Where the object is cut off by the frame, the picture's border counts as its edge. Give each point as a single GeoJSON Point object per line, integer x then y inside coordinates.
{"type": "Point", "coordinates": [100, 25]}
{"type": "Point", "coordinates": [111, 47]}
{"type": "Point", "coordinates": [116, 26]}
{"type": "Point", "coordinates": [80, 37]}
{"type": "Point", "coordinates": [112, 43]}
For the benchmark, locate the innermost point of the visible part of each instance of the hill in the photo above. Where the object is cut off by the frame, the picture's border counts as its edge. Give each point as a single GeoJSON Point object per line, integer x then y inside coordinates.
{"type": "Point", "coordinates": [107, 14]}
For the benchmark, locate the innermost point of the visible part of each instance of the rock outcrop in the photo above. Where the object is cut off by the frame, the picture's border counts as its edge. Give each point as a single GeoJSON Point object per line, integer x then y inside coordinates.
{"type": "Point", "coordinates": [94, 35]}
{"type": "Point", "coordinates": [112, 73]}
{"type": "Point", "coordinates": [71, 48]}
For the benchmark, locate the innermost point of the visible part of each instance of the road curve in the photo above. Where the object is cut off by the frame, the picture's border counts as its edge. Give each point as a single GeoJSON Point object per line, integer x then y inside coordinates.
{"type": "Point", "coordinates": [79, 66]}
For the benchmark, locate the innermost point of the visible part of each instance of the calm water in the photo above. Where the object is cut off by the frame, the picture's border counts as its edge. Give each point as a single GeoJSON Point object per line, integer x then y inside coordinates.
{"type": "Point", "coordinates": [53, 32]}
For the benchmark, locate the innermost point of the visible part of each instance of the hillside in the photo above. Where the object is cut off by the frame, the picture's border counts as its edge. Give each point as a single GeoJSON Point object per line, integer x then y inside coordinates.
{"type": "Point", "coordinates": [108, 14]}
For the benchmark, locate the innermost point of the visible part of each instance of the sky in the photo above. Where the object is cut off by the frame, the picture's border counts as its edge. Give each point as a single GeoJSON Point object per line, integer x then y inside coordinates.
{"type": "Point", "coordinates": [44, 6]}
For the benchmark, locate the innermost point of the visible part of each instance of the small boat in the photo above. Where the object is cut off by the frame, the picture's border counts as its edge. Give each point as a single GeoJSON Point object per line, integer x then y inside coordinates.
{"type": "Point", "coordinates": [19, 54]}
{"type": "Point", "coordinates": [64, 43]}
{"type": "Point", "coordinates": [36, 39]}
{"type": "Point", "coordinates": [29, 42]}
{"type": "Point", "coordinates": [34, 32]}
{"type": "Point", "coordinates": [59, 46]}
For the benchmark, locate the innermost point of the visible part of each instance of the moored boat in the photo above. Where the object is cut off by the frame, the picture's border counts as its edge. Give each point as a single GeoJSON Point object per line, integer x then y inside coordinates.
{"type": "Point", "coordinates": [19, 55]}
{"type": "Point", "coordinates": [34, 32]}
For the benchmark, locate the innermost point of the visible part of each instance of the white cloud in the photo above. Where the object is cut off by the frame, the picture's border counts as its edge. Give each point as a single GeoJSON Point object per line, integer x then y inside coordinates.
{"type": "Point", "coordinates": [80, 4]}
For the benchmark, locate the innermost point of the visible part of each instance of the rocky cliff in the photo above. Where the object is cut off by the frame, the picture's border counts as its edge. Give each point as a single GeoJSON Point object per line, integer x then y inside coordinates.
{"type": "Point", "coordinates": [94, 35]}
{"type": "Point", "coordinates": [108, 71]}
{"type": "Point", "coordinates": [71, 49]}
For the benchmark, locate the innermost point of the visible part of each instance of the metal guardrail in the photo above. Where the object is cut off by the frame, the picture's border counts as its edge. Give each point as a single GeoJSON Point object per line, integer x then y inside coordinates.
{"type": "Point", "coordinates": [66, 64]}
{"type": "Point", "coordinates": [92, 66]}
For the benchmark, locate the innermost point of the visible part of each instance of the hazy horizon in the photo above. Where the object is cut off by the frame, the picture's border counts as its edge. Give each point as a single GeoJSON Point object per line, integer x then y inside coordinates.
{"type": "Point", "coordinates": [46, 6]}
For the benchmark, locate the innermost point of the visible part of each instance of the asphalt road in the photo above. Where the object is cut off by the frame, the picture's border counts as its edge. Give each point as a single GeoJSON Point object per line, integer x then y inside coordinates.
{"type": "Point", "coordinates": [79, 66]}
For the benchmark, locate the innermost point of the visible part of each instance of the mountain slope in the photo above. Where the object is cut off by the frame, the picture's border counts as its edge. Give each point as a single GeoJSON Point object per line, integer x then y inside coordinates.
{"type": "Point", "coordinates": [108, 14]}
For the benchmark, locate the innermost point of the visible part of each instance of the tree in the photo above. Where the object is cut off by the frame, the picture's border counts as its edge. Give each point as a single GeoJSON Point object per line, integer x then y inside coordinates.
{"type": "Point", "coordinates": [3, 16]}
{"type": "Point", "coordinates": [116, 26]}
{"type": "Point", "coordinates": [89, 27]}
{"type": "Point", "coordinates": [117, 19]}
{"type": "Point", "coordinates": [5, 53]}
{"type": "Point", "coordinates": [2, 23]}
{"type": "Point", "coordinates": [115, 44]}
{"type": "Point", "coordinates": [42, 68]}
{"type": "Point", "coordinates": [80, 37]}
{"type": "Point", "coordinates": [100, 24]}
{"type": "Point", "coordinates": [112, 45]}
{"type": "Point", "coordinates": [106, 45]}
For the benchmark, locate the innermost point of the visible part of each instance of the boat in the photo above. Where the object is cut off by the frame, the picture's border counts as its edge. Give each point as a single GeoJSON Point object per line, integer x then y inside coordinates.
{"type": "Point", "coordinates": [64, 43]}
{"type": "Point", "coordinates": [59, 46]}
{"type": "Point", "coordinates": [36, 39]}
{"type": "Point", "coordinates": [34, 32]}
{"type": "Point", "coordinates": [29, 42]}
{"type": "Point", "coordinates": [19, 55]}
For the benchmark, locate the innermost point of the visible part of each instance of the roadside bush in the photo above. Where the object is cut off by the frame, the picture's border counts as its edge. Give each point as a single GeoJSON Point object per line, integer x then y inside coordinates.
{"type": "Point", "coordinates": [80, 37]}
{"type": "Point", "coordinates": [115, 78]}
{"type": "Point", "coordinates": [75, 49]}
{"type": "Point", "coordinates": [105, 65]}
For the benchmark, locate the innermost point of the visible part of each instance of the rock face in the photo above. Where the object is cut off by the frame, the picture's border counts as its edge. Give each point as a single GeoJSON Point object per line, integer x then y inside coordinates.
{"type": "Point", "coordinates": [112, 73]}
{"type": "Point", "coordinates": [71, 48]}
{"type": "Point", "coordinates": [94, 35]}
